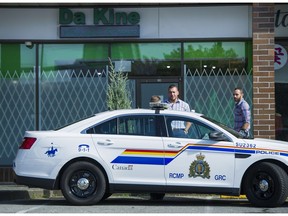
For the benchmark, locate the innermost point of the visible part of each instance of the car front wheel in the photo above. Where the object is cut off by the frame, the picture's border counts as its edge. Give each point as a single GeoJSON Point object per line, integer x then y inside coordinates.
{"type": "Point", "coordinates": [83, 183]}
{"type": "Point", "coordinates": [266, 184]}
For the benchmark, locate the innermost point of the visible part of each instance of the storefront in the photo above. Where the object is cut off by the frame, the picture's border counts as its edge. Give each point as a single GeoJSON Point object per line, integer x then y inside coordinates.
{"type": "Point", "coordinates": [281, 71]}
{"type": "Point", "coordinates": [54, 62]}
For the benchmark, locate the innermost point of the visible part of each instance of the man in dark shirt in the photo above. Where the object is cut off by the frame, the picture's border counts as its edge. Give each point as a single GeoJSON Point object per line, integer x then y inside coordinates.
{"type": "Point", "coordinates": [242, 113]}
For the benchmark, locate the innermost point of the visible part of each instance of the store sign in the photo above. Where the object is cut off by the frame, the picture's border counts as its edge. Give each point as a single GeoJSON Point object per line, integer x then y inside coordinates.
{"type": "Point", "coordinates": [103, 16]}
{"type": "Point", "coordinates": [280, 58]}
{"type": "Point", "coordinates": [281, 19]}
{"type": "Point", "coordinates": [107, 23]}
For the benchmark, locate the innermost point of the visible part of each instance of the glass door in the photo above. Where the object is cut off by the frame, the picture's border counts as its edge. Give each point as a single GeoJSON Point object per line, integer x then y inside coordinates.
{"type": "Point", "coordinates": [147, 88]}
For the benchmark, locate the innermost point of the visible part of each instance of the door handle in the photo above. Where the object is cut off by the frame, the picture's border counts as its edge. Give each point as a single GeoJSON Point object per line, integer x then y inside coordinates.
{"type": "Point", "coordinates": [176, 145]}
{"type": "Point", "coordinates": [105, 143]}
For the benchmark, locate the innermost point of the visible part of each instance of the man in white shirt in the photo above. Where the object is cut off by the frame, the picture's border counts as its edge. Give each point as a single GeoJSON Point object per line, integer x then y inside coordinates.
{"type": "Point", "coordinates": [180, 128]}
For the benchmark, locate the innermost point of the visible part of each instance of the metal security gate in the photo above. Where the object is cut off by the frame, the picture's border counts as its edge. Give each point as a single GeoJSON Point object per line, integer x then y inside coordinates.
{"type": "Point", "coordinates": [67, 96]}
{"type": "Point", "coordinates": [62, 98]}
{"type": "Point", "coordinates": [17, 114]}
{"type": "Point", "coordinates": [210, 92]}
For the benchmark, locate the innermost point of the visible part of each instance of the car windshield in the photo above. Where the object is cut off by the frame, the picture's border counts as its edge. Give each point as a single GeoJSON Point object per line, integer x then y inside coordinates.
{"type": "Point", "coordinates": [225, 127]}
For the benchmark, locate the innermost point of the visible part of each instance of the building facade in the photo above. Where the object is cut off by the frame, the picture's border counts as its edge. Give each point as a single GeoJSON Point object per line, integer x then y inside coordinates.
{"type": "Point", "coordinates": [54, 62]}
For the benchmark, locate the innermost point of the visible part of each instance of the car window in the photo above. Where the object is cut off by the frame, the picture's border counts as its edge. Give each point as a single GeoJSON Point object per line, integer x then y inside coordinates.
{"type": "Point", "coordinates": [197, 130]}
{"type": "Point", "coordinates": [137, 125]}
{"type": "Point", "coordinates": [108, 127]}
{"type": "Point", "coordinates": [143, 125]}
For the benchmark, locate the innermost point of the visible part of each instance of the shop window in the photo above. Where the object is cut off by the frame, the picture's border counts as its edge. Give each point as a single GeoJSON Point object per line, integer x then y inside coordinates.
{"type": "Point", "coordinates": [153, 59]}
{"type": "Point", "coordinates": [281, 89]}
{"type": "Point", "coordinates": [16, 59]}
{"type": "Point", "coordinates": [208, 58]}
{"type": "Point", "coordinates": [78, 59]}
{"type": "Point", "coordinates": [213, 70]}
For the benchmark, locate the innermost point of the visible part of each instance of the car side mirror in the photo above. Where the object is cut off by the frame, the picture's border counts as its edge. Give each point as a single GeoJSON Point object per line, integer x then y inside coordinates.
{"type": "Point", "coordinates": [217, 136]}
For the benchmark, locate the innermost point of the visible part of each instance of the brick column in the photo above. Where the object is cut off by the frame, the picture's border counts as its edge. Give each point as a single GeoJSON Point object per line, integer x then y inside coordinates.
{"type": "Point", "coordinates": [263, 70]}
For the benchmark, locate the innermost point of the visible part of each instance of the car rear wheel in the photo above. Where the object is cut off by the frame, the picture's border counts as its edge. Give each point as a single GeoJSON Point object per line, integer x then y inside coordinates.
{"type": "Point", "coordinates": [83, 183]}
{"type": "Point", "coordinates": [266, 184]}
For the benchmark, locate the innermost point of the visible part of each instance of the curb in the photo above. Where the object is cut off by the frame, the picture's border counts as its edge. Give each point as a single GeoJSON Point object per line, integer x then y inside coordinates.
{"type": "Point", "coordinates": [15, 192]}
{"type": "Point", "coordinates": [12, 191]}
{"type": "Point", "coordinates": [233, 197]}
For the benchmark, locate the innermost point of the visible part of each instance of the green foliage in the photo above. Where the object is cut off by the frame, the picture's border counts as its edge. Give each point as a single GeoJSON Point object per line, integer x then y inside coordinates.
{"type": "Point", "coordinates": [204, 50]}
{"type": "Point", "coordinates": [117, 94]}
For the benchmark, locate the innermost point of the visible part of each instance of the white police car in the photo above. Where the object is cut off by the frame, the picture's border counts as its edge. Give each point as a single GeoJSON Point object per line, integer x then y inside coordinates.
{"type": "Point", "coordinates": [140, 150]}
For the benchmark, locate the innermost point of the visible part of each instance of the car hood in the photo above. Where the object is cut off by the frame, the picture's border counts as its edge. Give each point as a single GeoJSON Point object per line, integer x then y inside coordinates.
{"type": "Point", "coordinates": [269, 143]}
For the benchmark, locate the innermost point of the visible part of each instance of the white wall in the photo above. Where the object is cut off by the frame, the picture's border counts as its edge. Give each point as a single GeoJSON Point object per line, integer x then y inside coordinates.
{"type": "Point", "coordinates": [169, 22]}
{"type": "Point", "coordinates": [28, 23]}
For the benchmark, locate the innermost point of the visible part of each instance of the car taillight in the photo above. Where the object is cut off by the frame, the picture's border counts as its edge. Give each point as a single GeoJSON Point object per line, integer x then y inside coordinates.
{"type": "Point", "coordinates": [27, 143]}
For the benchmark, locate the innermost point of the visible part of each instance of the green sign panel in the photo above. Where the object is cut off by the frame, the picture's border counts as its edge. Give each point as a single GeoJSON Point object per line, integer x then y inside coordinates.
{"type": "Point", "coordinates": [102, 16]}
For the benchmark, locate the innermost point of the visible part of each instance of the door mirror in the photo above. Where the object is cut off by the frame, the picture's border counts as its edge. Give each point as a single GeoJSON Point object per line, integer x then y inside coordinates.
{"type": "Point", "coordinates": [217, 136]}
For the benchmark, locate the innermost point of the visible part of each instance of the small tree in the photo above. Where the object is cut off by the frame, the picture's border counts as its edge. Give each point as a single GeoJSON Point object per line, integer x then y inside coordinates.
{"type": "Point", "coordinates": [117, 94]}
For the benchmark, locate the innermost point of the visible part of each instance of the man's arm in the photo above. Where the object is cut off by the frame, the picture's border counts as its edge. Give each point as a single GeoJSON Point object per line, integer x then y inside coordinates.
{"type": "Point", "coordinates": [187, 126]}
{"type": "Point", "coordinates": [245, 126]}
{"type": "Point", "coordinates": [247, 116]}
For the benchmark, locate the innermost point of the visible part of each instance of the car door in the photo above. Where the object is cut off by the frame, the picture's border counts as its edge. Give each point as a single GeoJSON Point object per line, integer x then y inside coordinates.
{"type": "Point", "coordinates": [132, 148]}
{"type": "Point", "coordinates": [196, 160]}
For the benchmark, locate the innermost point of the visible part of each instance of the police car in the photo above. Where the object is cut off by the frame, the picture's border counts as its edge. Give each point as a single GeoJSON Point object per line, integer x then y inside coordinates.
{"type": "Point", "coordinates": [137, 150]}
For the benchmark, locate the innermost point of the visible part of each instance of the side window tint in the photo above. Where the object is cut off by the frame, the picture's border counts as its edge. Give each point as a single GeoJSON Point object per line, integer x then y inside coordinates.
{"type": "Point", "coordinates": [109, 127]}
{"type": "Point", "coordinates": [204, 131]}
{"type": "Point", "coordinates": [176, 127]}
{"type": "Point", "coordinates": [137, 125]}
{"type": "Point", "coordinates": [196, 129]}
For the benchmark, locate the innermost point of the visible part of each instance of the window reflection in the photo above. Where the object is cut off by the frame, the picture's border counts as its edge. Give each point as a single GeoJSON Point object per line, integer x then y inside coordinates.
{"type": "Point", "coordinates": [54, 57]}
{"type": "Point", "coordinates": [149, 59]}
{"type": "Point", "coordinates": [207, 58]}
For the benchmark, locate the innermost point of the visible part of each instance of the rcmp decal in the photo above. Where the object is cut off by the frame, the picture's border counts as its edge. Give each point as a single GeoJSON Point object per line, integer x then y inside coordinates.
{"type": "Point", "coordinates": [164, 157]}
{"type": "Point", "coordinates": [220, 177]}
{"type": "Point", "coordinates": [199, 168]}
{"type": "Point", "coordinates": [51, 152]}
{"type": "Point", "coordinates": [176, 175]}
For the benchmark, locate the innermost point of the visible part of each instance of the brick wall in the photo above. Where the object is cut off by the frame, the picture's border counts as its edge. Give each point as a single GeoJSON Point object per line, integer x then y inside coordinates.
{"type": "Point", "coordinates": [263, 70]}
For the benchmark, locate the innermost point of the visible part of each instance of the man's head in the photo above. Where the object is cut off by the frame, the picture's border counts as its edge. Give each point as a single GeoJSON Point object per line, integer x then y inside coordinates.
{"type": "Point", "coordinates": [173, 93]}
{"type": "Point", "coordinates": [238, 94]}
{"type": "Point", "coordinates": [155, 98]}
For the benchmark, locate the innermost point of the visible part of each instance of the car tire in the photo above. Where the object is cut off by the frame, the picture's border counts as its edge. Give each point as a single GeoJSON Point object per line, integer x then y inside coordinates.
{"type": "Point", "coordinates": [157, 196]}
{"type": "Point", "coordinates": [266, 185]}
{"type": "Point", "coordinates": [106, 196]}
{"type": "Point", "coordinates": [83, 183]}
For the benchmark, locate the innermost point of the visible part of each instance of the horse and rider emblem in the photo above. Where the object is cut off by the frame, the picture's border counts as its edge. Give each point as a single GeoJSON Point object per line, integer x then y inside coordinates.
{"type": "Point", "coordinates": [51, 152]}
{"type": "Point", "coordinates": [199, 168]}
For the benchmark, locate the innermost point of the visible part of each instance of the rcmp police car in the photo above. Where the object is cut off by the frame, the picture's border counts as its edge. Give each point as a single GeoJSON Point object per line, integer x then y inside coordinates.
{"type": "Point", "coordinates": [136, 150]}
